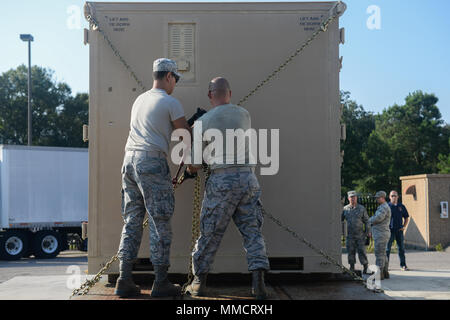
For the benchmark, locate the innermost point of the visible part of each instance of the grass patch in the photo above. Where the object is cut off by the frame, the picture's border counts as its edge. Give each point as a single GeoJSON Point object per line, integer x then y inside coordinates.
{"type": "Point", "coordinates": [371, 247]}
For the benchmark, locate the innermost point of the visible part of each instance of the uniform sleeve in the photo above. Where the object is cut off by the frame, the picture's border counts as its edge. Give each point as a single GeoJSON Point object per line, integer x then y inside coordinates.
{"type": "Point", "coordinates": [405, 213]}
{"type": "Point", "coordinates": [343, 215]}
{"type": "Point", "coordinates": [379, 216]}
{"type": "Point", "coordinates": [365, 219]}
{"type": "Point", "coordinates": [176, 110]}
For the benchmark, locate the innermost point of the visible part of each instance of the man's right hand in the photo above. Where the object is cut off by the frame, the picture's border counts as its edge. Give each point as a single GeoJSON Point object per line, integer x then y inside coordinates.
{"type": "Point", "coordinates": [188, 175]}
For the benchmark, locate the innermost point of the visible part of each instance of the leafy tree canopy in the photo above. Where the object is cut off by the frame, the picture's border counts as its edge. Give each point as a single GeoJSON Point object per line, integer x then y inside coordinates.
{"type": "Point", "coordinates": [57, 116]}
{"type": "Point", "coordinates": [403, 140]}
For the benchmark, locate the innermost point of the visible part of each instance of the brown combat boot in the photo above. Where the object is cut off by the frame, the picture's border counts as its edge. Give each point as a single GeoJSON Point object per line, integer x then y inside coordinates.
{"type": "Point", "coordinates": [162, 287]}
{"type": "Point", "coordinates": [125, 287]}
{"type": "Point", "coordinates": [258, 286]}
{"type": "Point", "coordinates": [386, 272]}
{"type": "Point", "coordinates": [197, 288]}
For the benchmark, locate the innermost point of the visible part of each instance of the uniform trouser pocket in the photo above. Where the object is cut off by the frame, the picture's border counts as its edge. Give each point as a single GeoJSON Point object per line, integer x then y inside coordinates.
{"type": "Point", "coordinates": [356, 246]}
{"type": "Point", "coordinates": [159, 202]}
{"type": "Point", "coordinates": [133, 213]}
{"type": "Point", "coordinates": [249, 219]}
{"type": "Point", "coordinates": [380, 251]}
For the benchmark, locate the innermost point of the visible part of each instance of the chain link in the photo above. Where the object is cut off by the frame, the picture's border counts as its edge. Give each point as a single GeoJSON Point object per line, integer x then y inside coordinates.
{"type": "Point", "coordinates": [90, 17]}
{"type": "Point", "coordinates": [88, 284]}
{"type": "Point", "coordinates": [311, 246]}
{"type": "Point", "coordinates": [323, 28]}
{"type": "Point", "coordinates": [195, 227]}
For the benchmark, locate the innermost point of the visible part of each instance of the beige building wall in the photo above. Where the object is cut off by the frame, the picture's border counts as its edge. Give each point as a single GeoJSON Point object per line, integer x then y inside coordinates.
{"type": "Point", "coordinates": [439, 190]}
{"type": "Point", "coordinates": [422, 194]}
{"type": "Point", "coordinates": [243, 42]}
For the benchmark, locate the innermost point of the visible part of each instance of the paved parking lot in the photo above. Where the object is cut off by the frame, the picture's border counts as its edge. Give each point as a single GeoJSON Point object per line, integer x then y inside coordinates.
{"type": "Point", "coordinates": [43, 267]}
{"type": "Point", "coordinates": [428, 278]}
{"type": "Point", "coordinates": [42, 279]}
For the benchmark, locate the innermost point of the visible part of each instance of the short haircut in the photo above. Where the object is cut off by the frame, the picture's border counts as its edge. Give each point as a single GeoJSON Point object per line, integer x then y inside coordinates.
{"type": "Point", "coordinates": [393, 191]}
{"type": "Point", "coordinates": [219, 86]}
{"type": "Point", "coordinates": [159, 75]}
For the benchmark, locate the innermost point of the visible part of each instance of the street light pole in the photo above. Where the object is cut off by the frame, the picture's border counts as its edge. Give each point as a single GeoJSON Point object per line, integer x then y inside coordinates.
{"type": "Point", "coordinates": [28, 38]}
{"type": "Point", "coordinates": [30, 133]}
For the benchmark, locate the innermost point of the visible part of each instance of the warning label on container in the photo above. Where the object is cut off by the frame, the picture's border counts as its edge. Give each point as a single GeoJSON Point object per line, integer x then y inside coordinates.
{"type": "Point", "coordinates": [118, 24]}
{"type": "Point", "coordinates": [311, 23]}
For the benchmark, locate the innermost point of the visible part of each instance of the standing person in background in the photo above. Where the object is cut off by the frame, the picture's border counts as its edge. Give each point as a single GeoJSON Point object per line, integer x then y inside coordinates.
{"type": "Point", "coordinates": [357, 231]}
{"type": "Point", "coordinates": [379, 224]}
{"type": "Point", "coordinates": [399, 221]}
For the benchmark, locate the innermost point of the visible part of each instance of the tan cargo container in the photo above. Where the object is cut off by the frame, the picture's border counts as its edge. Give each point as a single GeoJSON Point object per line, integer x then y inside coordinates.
{"type": "Point", "coordinates": [243, 42]}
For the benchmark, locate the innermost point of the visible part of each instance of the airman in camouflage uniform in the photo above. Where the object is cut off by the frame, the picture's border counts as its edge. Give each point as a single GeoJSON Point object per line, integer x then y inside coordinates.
{"type": "Point", "coordinates": [357, 230]}
{"type": "Point", "coordinates": [146, 182]}
{"type": "Point", "coordinates": [381, 233]}
{"type": "Point", "coordinates": [232, 192]}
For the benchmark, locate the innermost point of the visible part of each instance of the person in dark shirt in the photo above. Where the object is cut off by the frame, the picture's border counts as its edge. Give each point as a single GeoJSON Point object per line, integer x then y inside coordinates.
{"type": "Point", "coordinates": [399, 221]}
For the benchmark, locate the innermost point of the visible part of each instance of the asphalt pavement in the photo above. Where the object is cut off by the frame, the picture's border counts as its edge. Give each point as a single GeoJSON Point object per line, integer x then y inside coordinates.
{"type": "Point", "coordinates": [58, 266]}
{"type": "Point", "coordinates": [428, 278]}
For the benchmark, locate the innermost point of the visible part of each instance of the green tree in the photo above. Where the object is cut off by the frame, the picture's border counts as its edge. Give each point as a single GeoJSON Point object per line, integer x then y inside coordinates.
{"type": "Point", "coordinates": [359, 125]}
{"type": "Point", "coordinates": [407, 140]}
{"type": "Point", "coordinates": [415, 130]}
{"type": "Point", "coordinates": [71, 117]}
{"type": "Point", "coordinates": [378, 158]}
{"type": "Point", "coordinates": [56, 114]}
{"type": "Point", "coordinates": [444, 162]}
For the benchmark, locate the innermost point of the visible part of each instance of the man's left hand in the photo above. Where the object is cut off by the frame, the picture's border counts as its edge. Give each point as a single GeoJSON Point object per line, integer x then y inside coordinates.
{"type": "Point", "coordinates": [188, 175]}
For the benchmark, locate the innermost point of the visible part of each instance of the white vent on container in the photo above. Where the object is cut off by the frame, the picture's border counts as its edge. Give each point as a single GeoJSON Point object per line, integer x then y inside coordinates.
{"type": "Point", "coordinates": [182, 48]}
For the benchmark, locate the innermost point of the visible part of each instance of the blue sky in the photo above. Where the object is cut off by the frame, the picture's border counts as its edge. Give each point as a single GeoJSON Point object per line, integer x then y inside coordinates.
{"type": "Point", "coordinates": [409, 52]}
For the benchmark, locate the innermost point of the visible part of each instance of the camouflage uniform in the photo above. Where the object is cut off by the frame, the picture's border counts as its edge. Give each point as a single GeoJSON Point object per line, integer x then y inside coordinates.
{"type": "Point", "coordinates": [231, 195]}
{"type": "Point", "coordinates": [381, 234]}
{"type": "Point", "coordinates": [146, 187]}
{"type": "Point", "coordinates": [356, 219]}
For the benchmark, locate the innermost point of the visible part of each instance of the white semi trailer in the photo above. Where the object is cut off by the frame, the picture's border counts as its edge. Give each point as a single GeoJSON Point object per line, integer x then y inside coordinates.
{"type": "Point", "coordinates": [43, 199]}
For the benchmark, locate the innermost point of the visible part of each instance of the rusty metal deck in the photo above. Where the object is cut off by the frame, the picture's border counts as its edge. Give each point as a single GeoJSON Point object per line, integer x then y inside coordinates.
{"type": "Point", "coordinates": [238, 287]}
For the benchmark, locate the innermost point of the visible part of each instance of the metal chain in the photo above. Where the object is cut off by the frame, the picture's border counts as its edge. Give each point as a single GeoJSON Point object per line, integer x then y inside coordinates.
{"type": "Point", "coordinates": [90, 17]}
{"type": "Point", "coordinates": [311, 246]}
{"type": "Point", "coordinates": [85, 287]}
{"type": "Point", "coordinates": [88, 284]}
{"type": "Point", "coordinates": [323, 28]}
{"type": "Point", "coordinates": [195, 232]}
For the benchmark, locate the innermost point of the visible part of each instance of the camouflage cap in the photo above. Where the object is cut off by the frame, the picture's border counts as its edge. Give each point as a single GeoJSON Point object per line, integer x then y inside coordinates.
{"type": "Point", "coordinates": [380, 194]}
{"type": "Point", "coordinates": [164, 64]}
{"type": "Point", "coordinates": [352, 194]}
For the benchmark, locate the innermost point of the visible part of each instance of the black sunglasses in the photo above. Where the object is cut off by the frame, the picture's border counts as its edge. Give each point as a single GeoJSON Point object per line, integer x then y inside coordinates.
{"type": "Point", "coordinates": [177, 78]}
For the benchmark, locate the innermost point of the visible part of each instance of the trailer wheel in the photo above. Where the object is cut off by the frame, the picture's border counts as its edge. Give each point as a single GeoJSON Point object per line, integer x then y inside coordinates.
{"type": "Point", "coordinates": [13, 245]}
{"type": "Point", "coordinates": [47, 244]}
